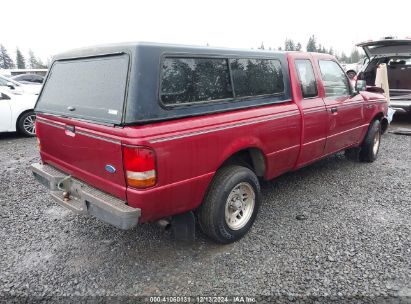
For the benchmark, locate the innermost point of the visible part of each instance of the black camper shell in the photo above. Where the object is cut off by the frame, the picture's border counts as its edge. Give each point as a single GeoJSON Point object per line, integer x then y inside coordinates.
{"type": "Point", "coordinates": [131, 79]}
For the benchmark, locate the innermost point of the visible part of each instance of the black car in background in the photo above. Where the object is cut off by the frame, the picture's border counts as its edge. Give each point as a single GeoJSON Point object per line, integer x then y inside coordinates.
{"type": "Point", "coordinates": [28, 78]}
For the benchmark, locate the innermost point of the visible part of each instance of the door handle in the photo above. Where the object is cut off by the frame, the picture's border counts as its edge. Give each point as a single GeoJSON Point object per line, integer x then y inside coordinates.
{"type": "Point", "coordinates": [334, 110]}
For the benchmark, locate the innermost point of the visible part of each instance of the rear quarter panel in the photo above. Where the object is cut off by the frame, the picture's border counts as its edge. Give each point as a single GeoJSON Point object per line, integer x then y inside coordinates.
{"type": "Point", "coordinates": [190, 150]}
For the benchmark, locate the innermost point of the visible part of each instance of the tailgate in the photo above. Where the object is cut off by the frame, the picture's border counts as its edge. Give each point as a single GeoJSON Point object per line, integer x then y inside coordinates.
{"type": "Point", "coordinates": [83, 152]}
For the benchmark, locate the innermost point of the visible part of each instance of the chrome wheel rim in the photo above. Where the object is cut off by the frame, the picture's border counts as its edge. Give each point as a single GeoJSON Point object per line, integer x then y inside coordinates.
{"type": "Point", "coordinates": [239, 206]}
{"type": "Point", "coordinates": [29, 124]}
{"type": "Point", "coordinates": [376, 144]}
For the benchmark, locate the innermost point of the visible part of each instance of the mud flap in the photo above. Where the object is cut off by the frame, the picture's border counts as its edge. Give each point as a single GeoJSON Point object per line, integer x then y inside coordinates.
{"type": "Point", "coordinates": [183, 227]}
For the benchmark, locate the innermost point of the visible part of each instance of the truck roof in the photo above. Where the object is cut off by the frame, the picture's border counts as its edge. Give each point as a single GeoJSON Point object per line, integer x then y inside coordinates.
{"type": "Point", "coordinates": [131, 47]}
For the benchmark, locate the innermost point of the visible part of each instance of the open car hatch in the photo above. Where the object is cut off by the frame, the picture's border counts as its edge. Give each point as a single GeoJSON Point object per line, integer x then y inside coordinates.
{"type": "Point", "coordinates": [387, 47]}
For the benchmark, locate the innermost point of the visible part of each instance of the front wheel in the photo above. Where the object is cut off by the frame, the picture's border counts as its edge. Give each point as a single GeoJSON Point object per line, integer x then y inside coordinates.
{"type": "Point", "coordinates": [26, 124]}
{"type": "Point", "coordinates": [231, 204]}
{"type": "Point", "coordinates": [371, 145]}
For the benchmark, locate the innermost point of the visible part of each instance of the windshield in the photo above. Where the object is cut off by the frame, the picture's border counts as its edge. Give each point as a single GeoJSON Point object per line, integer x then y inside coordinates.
{"type": "Point", "coordinates": [90, 88]}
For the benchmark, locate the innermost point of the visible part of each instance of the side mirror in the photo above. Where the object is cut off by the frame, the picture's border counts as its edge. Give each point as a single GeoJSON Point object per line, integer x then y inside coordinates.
{"type": "Point", "coordinates": [10, 85]}
{"type": "Point", "coordinates": [360, 85]}
{"type": "Point", "coordinates": [4, 96]}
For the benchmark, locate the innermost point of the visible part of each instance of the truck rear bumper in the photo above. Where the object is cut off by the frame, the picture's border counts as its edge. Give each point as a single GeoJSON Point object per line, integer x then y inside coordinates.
{"type": "Point", "coordinates": [84, 199]}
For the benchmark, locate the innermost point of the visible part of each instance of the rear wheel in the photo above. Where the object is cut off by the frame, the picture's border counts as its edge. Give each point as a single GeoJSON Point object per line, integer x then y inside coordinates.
{"type": "Point", "coordinates": [371, 144]}
{"type": "Point", "coordinates": [231, 204]}
{"type": "Point", "coordinates": [26, 124]}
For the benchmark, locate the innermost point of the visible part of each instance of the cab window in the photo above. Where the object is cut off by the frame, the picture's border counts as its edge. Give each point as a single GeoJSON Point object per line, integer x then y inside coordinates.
{"type": "Point", "coordinates": [306, 78]}
{"type": "Point", "coordinates": [334, 79]}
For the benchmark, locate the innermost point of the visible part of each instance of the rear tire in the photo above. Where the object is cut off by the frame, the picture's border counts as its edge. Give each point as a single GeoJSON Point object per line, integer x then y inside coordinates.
{"type": "Point", "coordinates": [26, 124]}
{"type": "Point", "coordinates": [371, 143]}
{"type": "Point", "coordinates": [231, 204]}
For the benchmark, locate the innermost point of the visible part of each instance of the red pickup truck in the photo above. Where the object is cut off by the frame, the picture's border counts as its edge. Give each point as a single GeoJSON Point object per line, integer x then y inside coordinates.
{"type": "Point", "coordinates": [139, 132]}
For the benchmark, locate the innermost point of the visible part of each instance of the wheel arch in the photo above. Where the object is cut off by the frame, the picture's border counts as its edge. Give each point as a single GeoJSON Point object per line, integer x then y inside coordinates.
{"type": "Point", "coordinates": [250, 157]}
{"type": "Point", "coordinates": [383, 120]}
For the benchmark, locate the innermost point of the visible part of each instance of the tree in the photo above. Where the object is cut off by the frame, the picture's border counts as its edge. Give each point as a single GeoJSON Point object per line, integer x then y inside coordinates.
{"type": "Point", "coordinates": [20, 60]}
{"type": "Point", "coordinates": [312, 44]}
{"type": "Point", "coordinates": [343, 58]}
{"type": "Point", "coordinates": [298, 47]}
{"type": "Point", "coordinates": [35, 62]}
{"type": "Point", "coordinates": [289, 45]}
{"type": "Point", "coordinates": [355, 56]}
{"type": "Point", "coordinates": [261, 46]}
{"type": "Point", "coordinates": [5, 60]}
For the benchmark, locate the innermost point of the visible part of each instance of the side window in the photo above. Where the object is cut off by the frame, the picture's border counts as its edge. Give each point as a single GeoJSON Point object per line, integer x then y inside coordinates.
{"type": "Point", "coordinates": [187, 80]}
{"type": "Point", "coordinates": [306, 77]}
{"type": "Point", "coordinates": [255, 77]}
{"type": "Point", "coordinates": [334, 79]}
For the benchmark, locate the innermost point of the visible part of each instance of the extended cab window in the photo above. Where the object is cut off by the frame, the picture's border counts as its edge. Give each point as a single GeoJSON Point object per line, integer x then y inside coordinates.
{"type": "Point", "coordinates": [334, 79]}
{"type": "Point", "coordinates": [306, 77]}
{"type": "Point", "coordinates": [188, 80]}
{"type": "Point", "coordinates": [255, 77]}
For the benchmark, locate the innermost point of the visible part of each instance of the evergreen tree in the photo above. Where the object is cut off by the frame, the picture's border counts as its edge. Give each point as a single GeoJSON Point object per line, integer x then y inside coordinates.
{"type": "Point", "coordinates": [289, 45]}
{"type": "Point", "coordinates": [298, 47]}
{"type": "Point", "coordinates": [40, 64]}
{"type": "Point", "coordinates": [5, 60]}
{"type": "Point", "coordinates": [261, 46]}
{"type": "Point", "coordinates": [20, 60]}
{"type": "Point", "coordinates": [33, 62]}
{"type": "Point", "coordinates": [355, 56]}
{"type": "Point", "coordinates": [312, 44]}
{"type": "Point", "coordinates": [343, 58]}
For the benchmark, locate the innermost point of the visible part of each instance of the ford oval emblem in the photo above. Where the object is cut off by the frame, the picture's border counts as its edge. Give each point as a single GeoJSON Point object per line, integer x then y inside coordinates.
{"type": "Point", "coordinates": [110, 168]}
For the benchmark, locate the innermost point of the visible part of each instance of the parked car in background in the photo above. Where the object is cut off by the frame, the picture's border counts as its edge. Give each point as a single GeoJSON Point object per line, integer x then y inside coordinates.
{"type": "Point", "coordinates": [28, 78]}
{"type": "Point", "coordinates": [195, 134]}
{"type": "Point", "coordinates": [352, 69]}
{"type": "Point", "coordinates": [16, 87]}
{"type": "Point", "coordinates": [396, 53]}
{"type": "Point", "coordinates": [16, 112]}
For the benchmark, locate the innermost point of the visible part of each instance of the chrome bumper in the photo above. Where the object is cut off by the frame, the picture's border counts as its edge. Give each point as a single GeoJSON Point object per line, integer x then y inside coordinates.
{"type": "Point", "coordinates": [84, 199]}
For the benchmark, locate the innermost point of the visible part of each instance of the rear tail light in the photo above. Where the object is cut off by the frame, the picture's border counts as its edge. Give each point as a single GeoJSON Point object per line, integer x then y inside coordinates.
{"type": "Point", "coordinates": [140, 167]}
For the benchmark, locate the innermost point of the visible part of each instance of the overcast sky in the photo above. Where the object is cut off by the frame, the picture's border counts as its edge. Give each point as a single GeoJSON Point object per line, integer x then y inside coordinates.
{"type": "Point", "coordinates": [49, 27]}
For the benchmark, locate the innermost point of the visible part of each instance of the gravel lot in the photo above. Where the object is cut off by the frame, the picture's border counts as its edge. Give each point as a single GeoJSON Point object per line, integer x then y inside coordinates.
{"type": "Point", "coordinates": [355, 242]}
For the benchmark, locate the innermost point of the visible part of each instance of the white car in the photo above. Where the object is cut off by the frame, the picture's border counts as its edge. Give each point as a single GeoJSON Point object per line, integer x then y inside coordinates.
{"type": "Point", "coordinates": [19, 88]}
{"type": "Point", "coordinates": [16, 112]}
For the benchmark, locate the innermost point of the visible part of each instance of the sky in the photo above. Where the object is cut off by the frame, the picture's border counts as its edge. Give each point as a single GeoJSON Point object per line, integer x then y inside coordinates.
{"type": "Point", "coordinates": [48, 27]}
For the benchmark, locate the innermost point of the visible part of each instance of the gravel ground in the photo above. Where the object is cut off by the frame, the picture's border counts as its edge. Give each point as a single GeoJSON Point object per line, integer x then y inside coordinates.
{"type": "Point", "coordinates": [355, 241]}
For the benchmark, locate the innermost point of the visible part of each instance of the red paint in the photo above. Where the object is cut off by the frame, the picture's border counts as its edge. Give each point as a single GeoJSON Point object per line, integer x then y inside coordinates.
{"type": "Point", "coordinates": [189, 151]}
